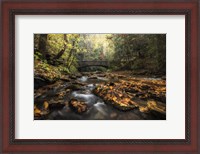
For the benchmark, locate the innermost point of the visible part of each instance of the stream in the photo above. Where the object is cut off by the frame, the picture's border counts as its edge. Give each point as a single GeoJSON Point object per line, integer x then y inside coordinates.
{"type": "Point", "coordinates": [81, 88]}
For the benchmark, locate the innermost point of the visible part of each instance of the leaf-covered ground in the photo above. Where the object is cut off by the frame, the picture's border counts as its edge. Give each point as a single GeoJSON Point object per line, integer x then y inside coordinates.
{"type": "Point", "coordinates": [46, 71]}
{"type": "Point", "coordinates": [132, 93]}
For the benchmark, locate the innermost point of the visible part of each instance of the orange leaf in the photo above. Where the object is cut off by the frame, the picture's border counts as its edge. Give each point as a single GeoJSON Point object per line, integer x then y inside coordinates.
{"type": "Point", "coordinates": [46, 105]}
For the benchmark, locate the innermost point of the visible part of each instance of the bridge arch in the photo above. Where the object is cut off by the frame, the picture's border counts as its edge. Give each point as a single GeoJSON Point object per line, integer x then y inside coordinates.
{"type": "Point", "coordinates": [83, 64]}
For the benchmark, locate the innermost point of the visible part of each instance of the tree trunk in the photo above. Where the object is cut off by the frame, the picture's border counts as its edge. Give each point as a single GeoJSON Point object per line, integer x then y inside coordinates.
{"type": "Point", "coordinates": [70, 53]}
{"type": "Point", "coordinates": [71, 63]}
{"type": "Point", "coordinates": [42, 44]}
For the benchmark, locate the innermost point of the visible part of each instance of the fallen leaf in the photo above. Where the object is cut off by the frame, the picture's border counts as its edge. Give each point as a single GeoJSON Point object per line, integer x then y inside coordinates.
{"type": "Point", "coordinates": [46, 105]}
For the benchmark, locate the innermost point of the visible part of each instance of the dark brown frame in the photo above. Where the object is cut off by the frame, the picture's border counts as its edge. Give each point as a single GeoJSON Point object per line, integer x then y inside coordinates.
{"type": "Point", "coordinates": [189, 8]}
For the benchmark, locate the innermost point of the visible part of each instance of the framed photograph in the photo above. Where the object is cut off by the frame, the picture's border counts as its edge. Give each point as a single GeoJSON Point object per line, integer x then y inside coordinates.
{"type": "Point", "coordinates": [116, 76]}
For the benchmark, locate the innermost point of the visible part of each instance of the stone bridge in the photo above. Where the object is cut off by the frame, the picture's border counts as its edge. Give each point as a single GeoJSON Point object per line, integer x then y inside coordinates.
{"type": "Point", "coordinates": [82, 64]}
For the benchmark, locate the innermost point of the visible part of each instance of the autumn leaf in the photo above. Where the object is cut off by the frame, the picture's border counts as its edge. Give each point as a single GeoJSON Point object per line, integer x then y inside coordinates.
{"type": "Point", "coordinates": [114, 98]}
{"type": "Point", "coordinates": [37, 112]}
{"type": "Point", "coordinates": [46, 105]}
{"type": "Point", "coordinates": [144, 109]}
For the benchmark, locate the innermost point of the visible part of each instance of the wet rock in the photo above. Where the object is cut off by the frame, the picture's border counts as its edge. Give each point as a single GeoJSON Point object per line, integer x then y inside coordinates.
{"type": "Point", "coordinates": [74, 87]}
{"type": "Point", "coordinates": [158, 115]}
{"type": "Point", "coordinates": [141, 72]}
{"type": "Point", "coordinates": [78, 75]}
{"type": "Point", "coordinates": [92, 77]}
{"type": "Point", "coordinates": [102, 75]}
{"type": "Point", "coordinates": [139, 94]}
{"type": "Point", "coordinates": [61, 94]}
{"type": "Point", "coordinates": [158, 97]}
{"type": "Point", "coordinates": [123, 107]}
{"type": "Point", "coordinates": [98, 72]}
{"type": "Point", "coordinates": [66, 79]}
{"type": "Point", "coordinates": [145, 87]}
{"type": "Point", "coordinates": [121, 76]}
{"type": "Point", "coordinates": [56, 106]}
{"type": "Point", "coordinates": [131, 90]}
{"type": "Point", "coordinates": [163, 77]}
{"type": "Point", "coordinates": [72, 77]}
{"type": "Point", "coordinates": [86, 92]}
{"type": "Point", "coordinates": [79, 83]}
{"type": "Point", "coordinates": [78, 106]}
{"type": "Point", "coordinates": [85, 73]}
{"type": "Point", "coordinates": [111, 84]}
{"type": "Point", "coordinates": [114, 77]}
{"type": "Point", "coordinates": [40, 82]}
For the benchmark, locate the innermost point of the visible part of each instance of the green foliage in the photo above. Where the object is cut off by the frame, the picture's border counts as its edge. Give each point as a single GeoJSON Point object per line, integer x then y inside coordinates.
{"type": "Point", "coordinates": [55, 43]}
{"type": "Point", "coordinates": [37, 55]}
{"type": "Point", "coordinates": [139, 51]}
{"type": "Point", "coordinates": [63, 70]}
{"type": "Point", "coordinates": [43, 66]}
{"type": "Point", "coordinates": [73, 69]}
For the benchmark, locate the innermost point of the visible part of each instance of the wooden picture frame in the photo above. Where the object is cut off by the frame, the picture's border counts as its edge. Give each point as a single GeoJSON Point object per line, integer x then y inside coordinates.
{"type": "Point", "coordinates": [11, 8]}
